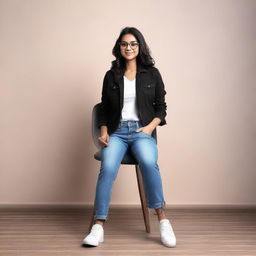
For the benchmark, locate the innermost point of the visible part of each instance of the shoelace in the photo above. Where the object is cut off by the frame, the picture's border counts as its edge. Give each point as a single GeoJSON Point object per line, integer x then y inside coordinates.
{"type": "Point", "coordinates": [166, 227]}
{"type": "Point", "coordinates": [94, 231]}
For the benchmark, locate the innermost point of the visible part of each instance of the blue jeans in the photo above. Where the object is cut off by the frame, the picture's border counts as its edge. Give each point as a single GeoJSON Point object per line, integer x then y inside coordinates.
{"type": "Point", "coordinates": [144, 149]}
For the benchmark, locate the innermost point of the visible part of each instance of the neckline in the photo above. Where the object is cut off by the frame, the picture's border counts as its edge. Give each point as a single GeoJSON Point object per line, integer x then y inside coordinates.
{"type": "Point", "coordinates": [129, 79]}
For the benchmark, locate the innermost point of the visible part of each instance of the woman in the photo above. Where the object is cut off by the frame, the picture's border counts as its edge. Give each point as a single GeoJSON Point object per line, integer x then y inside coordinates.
{"type": "Point", "coordinates": [132, 105]}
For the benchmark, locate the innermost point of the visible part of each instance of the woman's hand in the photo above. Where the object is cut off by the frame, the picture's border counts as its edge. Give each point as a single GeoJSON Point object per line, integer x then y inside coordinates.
{"type": "Point", "coordinates": [146, 129]}
{"type": "Point", "coordinates": [104, 139]}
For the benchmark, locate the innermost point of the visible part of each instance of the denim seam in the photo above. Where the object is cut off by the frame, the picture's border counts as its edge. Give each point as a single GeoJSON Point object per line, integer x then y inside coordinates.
{"type": "Point", "coordinates": [157, 205]}
{"type": "Point", "coordinates": [100, 217]}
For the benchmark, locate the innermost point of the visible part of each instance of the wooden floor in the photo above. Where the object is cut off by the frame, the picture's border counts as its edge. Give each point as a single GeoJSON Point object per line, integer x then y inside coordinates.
{"type": "Point", "coordinates": [60, 232]}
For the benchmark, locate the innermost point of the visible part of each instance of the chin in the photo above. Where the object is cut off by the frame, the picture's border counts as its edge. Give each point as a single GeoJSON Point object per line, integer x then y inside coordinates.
{"type": "Point", "coordinates": [130, 57]}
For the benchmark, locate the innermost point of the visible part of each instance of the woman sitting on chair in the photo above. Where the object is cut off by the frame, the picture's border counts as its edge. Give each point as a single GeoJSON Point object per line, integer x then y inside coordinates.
{"type": "Point", "coordinates": [132, 105]}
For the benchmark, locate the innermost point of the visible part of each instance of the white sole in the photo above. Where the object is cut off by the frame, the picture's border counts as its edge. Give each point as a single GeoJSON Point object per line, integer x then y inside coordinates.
{"type": "Point", "coordinates": [85, 242]}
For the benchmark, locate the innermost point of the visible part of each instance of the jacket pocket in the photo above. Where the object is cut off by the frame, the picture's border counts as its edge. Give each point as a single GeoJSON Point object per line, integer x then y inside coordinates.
{"type": "Point", "coordinates": [113, 95]}
{"type": "Point", "coordinates": [149, 86]}
{"type": "Point", "coordinates": [114, 87]}
{"type": "Point", "coordinates": [149, 89]}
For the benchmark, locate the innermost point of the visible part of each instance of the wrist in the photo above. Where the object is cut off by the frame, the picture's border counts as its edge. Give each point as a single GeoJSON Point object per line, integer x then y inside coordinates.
{"type": "Point", "coordinates": [151, 126]}
{"type": "Point", "coordinates": [154, 123]}
{"type": "Point", "coordinates": [103, 130]}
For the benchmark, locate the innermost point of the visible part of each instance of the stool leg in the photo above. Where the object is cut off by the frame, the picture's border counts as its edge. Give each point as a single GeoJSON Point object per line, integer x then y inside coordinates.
{"type": "Point", "coordinates": [92, 219]}
{"type": "Point", "coordinates": [143, 198]}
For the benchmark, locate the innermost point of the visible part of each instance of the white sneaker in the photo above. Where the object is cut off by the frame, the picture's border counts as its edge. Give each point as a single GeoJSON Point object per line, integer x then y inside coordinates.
{"type": "Point", "coordinates": [95, 236]}
{"type": "Point", "coordinates": [166, 233]}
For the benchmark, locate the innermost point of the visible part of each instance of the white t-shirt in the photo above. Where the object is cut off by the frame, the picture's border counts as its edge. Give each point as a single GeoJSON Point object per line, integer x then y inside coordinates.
{"type": "Point", "coordinates": [129, 111]}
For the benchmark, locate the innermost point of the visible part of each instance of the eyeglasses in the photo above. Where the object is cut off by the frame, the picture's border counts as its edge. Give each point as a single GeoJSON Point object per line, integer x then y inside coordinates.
{"type": "Point", "coordinates": [133, 45]}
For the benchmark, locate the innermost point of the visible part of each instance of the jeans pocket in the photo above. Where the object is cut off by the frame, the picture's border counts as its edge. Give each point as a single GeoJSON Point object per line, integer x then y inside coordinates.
{"type": "Point", "coordinates": [146, 134]}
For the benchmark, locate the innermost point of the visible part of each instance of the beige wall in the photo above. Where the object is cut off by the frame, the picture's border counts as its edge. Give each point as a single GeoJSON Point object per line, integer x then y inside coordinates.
{"type": "Point", "coordinates": [53, 56]}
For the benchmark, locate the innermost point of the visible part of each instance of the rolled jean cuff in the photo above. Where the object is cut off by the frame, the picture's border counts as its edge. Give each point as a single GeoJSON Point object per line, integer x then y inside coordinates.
{"type": "Point", "coordinates": [102, 217]}
{"type": "Point", "coordinates": [157, 205]}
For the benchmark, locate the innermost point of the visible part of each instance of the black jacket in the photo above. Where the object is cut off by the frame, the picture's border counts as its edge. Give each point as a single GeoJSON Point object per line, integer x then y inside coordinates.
{"type": "Point", "coordinates": [150, 98]}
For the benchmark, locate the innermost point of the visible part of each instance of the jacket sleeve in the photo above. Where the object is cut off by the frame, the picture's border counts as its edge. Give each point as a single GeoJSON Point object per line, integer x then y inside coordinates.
{"type": "Point", "coordinates": [103, 113]}
{"type": "Point", "coordinates": [160, 104]}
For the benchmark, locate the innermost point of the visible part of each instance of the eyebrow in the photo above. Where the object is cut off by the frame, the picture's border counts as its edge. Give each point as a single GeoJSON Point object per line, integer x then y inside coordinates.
{"type": "Point", "coordinates": [130, 41]}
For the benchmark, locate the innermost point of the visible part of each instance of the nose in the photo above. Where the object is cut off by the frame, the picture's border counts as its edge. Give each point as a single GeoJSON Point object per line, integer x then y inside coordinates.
{"type": "Point", "coordinates": [128, 46]}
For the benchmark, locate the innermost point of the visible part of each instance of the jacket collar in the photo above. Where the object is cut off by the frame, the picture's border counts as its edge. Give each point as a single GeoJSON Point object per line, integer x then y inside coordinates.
{"type": "Point", "coordinates": [140, 68]}
{"type": "Point", "coordinates": [118, 77]}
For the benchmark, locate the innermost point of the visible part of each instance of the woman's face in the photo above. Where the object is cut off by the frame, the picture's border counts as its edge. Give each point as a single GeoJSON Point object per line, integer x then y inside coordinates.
{"type": "Point", "coordinates": [129, 47]}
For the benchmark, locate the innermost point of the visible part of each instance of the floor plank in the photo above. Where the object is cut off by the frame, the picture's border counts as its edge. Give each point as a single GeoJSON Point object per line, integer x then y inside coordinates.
{"type": "Point", "coordinates": [44, 231]}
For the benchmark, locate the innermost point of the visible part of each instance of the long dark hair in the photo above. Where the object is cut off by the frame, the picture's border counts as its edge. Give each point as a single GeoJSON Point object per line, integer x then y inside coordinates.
{"type": "Point", "coordinates": [143, 58]}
